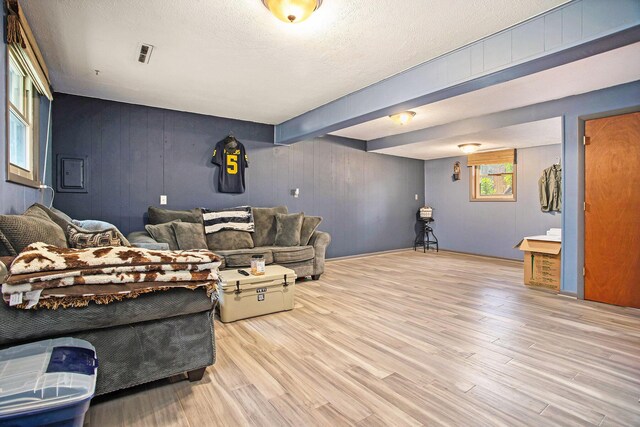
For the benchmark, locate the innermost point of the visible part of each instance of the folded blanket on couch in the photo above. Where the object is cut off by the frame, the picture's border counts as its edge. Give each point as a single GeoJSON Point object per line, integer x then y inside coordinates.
{"type": "Point", "coordinates": [82, 295]}
{"type": "Point", "coordinates": [17, 279]}
{"type": "Point", "coordinates": [77, 276]}
{"type": "Point", "coordinates": [39, 257]}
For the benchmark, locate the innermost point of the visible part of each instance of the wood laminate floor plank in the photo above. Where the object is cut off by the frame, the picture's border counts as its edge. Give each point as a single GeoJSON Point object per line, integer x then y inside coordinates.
{"type": "Point", "coordinates": [407, 339]}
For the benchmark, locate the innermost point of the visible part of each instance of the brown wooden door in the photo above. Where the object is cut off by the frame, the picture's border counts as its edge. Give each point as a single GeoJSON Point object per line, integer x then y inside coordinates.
{"type": "Point", "coordinates": [612, 214]}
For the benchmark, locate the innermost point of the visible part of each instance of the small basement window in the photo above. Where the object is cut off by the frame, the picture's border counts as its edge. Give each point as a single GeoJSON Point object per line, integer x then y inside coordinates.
{"type": "Point", "coordinates": [493, 176]}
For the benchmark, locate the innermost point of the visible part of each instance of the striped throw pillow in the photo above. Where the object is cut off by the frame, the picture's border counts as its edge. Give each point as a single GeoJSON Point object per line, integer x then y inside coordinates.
{"type": "Point", "coordinates": [239, 219]}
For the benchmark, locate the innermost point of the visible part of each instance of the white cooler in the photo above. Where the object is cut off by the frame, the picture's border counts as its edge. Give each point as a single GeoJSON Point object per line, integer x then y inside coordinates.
{"type": "Point", "coordinates": [248, 296]}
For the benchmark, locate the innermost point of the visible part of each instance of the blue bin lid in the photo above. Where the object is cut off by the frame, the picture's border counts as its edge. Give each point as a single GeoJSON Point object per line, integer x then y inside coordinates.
{"type": "Point", "coordinates": [46, 375]}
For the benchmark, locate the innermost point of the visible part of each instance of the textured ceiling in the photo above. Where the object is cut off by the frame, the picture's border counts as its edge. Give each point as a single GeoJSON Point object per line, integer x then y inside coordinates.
{"type": "Point", "coordinates": [542, 132]}
{"type": "Point", "coordinates": [233, 59]}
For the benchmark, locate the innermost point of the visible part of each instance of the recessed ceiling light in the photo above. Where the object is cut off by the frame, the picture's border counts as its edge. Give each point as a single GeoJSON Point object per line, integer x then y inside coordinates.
{"type": "Point", "coordinates": [469, 148]}
{"type": "Point", "coordinates": [402, 118]}
{"type": "Point", "coordinates": [292, 11]}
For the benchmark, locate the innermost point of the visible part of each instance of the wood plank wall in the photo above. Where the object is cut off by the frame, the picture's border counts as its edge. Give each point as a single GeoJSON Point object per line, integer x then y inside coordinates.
{"type": "Point", "coordinates": [137, 153]}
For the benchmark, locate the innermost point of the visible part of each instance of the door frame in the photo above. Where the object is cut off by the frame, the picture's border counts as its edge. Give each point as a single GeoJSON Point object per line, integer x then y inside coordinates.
{"type": "Point", "coordinates": [581, 187]}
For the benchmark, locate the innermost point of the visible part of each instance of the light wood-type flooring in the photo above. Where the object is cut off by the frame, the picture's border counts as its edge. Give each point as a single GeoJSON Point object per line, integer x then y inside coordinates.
{"type": "Point", "coordinates": [409, 339]}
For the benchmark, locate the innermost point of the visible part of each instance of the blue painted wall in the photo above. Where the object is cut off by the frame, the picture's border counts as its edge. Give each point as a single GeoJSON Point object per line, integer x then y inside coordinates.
{"type": "Point", "coordinates": [138, 153]}
{"type": "Point", "coordinates": [489, 228]}
{"type": "Point", "coordinates": [574, 110]}
{"type": "Point", "coordinates": [14, 198]}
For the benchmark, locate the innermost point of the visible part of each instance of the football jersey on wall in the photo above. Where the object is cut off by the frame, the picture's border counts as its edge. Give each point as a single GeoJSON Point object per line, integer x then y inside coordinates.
{"type": "Point", "coordinates": [232, 162]}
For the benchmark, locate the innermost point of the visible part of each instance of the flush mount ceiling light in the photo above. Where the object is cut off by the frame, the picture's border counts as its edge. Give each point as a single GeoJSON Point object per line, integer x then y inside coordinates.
{"type": "Point", "coordinates": [469, 148]}
{"type": "Point", "coordinates": [292, 11]}
{"type": "Point", "coordinates": [402, 118]}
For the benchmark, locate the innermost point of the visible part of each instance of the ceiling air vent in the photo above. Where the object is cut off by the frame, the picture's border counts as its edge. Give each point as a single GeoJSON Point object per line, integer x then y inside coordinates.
{"type": "Point", "coordinates": [145, 53]}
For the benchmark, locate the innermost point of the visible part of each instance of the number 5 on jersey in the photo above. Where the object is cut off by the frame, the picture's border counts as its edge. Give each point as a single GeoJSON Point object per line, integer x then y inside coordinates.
{"type": "Point", "coordinates": [232, 164]}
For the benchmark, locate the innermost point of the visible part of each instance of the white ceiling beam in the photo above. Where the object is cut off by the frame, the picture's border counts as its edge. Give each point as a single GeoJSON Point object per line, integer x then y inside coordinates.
{"type": "Point", "coordinates": [629, 93]}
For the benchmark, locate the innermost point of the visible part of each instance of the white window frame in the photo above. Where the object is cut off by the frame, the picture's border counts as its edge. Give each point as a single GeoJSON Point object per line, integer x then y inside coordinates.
{"type": "Point", "coordinates": [29, 117]}
{"type": "Point", "coordinates": [474, 187]}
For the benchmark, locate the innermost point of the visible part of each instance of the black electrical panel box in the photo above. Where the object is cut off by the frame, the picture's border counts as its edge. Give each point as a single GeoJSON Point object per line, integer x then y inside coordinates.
{"type": "Point", "coordinates": [72, 174]}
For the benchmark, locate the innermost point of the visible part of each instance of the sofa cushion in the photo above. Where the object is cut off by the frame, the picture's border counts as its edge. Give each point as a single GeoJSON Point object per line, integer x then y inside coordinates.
{"type": "Point", "coordinates": [242, 257]}
{"type": "Point", "coordinates": [189, 235]}
{"type": "Point", "coordinates": [60, 214]}
{"type": "Point", "coordinates": [309, 225]}
{"type": "Point", "coordinates": [163, 233]}
{"type": "Point", "coordinates": [287, 254]}
{"type": "Point", "coordinates": [228, 240]}
{"type": "Point", "coordinates": [29, 325]}
{"type": "Point", "coordinates": [57, 216]}
{"type": "Point", "coordinates": [161, 216]}
{"type": "Point", "coordinates": [265, 225]}
{"type": "Point", "coordinates": [288, 228]}
{"type": "Point", "coordinates": [34, 225]}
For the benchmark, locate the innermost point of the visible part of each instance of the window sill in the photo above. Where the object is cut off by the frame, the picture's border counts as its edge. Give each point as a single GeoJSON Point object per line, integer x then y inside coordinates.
{"type": "Point", "coordinates": [493, 199]}
{"type": "Point", "coordinates": [20, 180]}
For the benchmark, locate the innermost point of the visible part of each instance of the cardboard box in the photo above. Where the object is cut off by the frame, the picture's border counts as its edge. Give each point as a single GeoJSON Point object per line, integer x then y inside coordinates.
{"type": "Point", "coordinates": [542, 267]}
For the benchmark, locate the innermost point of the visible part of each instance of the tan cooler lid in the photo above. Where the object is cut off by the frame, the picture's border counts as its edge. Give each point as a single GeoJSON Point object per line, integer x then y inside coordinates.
{"type": "Point", "coordinates": [229, 278]}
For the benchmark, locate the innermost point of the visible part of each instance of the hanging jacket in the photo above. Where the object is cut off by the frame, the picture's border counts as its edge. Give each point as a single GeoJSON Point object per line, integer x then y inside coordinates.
{"type": "Point", "coordinates": [550, 188]}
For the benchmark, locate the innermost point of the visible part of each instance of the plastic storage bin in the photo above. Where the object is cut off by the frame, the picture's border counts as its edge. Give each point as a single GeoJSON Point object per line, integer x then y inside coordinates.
{"type": "Point", "coordinates": [47, 383]}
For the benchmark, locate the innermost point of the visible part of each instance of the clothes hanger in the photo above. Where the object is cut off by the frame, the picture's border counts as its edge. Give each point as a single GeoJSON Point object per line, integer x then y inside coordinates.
{"type": "Point", "coordinates": [230, 141]}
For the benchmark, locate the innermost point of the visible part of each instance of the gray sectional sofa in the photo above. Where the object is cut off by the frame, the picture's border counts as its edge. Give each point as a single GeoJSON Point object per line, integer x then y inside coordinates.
{"type": "Point", "coordinates": [237, 247]}
{"type": "Point", "coordinates": [154, 336]}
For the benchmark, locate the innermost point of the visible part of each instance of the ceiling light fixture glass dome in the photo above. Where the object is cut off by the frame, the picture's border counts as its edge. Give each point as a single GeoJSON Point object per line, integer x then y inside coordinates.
{"type": "Point", "coordinates": [469, 148]}
{"type": "Point", "coordinates": [292, 11]}
{"type": "Point", "coordinates": [402, 118]}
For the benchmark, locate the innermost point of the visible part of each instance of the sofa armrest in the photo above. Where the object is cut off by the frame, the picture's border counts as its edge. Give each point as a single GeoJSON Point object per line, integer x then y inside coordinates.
{"type": "Point", "coordinates": [142, 239]}
{"type": "Point", "coordinates": [319, 240]}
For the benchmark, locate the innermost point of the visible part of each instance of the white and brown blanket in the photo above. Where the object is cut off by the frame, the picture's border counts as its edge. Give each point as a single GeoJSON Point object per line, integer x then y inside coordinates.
{"type": "Point", "coordinates": [52, 277]}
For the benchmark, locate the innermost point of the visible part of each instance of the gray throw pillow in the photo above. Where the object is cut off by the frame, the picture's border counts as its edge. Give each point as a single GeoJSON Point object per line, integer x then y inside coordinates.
{"type": "Point", "coordinates": [162, 216]}
{"type": "Point", "coordinates": [309, 225]}
{"type": "Point", "coordinates": [60, 214]}
{"type": "Point", "coordinates": [288, 229]}
{"type": "Point", "coordinates": [163, 233]}
{"type": "Point", "coordinates": [228, 240]}
{"type": "Point", "coordinates": [34, 225]}
{"type": "Point", "coordinates": [264, 220]}
{"type": "Point", "coordinates": [189, 235]}
{"type": "Point", "coordinates": [57, 216]}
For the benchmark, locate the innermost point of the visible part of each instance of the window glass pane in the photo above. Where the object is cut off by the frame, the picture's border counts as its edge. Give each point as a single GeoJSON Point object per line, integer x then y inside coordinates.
{"type": "Point", "coordinates": [19, 152]}
{"type": "Point", "coordinates": [16, 87]}
{"type": "Point", "coordinates": [495, 180]}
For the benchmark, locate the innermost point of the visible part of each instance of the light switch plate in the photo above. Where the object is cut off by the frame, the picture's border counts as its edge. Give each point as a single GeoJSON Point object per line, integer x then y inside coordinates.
{"type": "Point", "coordinates": [163, 200]}
{"type": "Point", "coordinates": [416, 197]}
